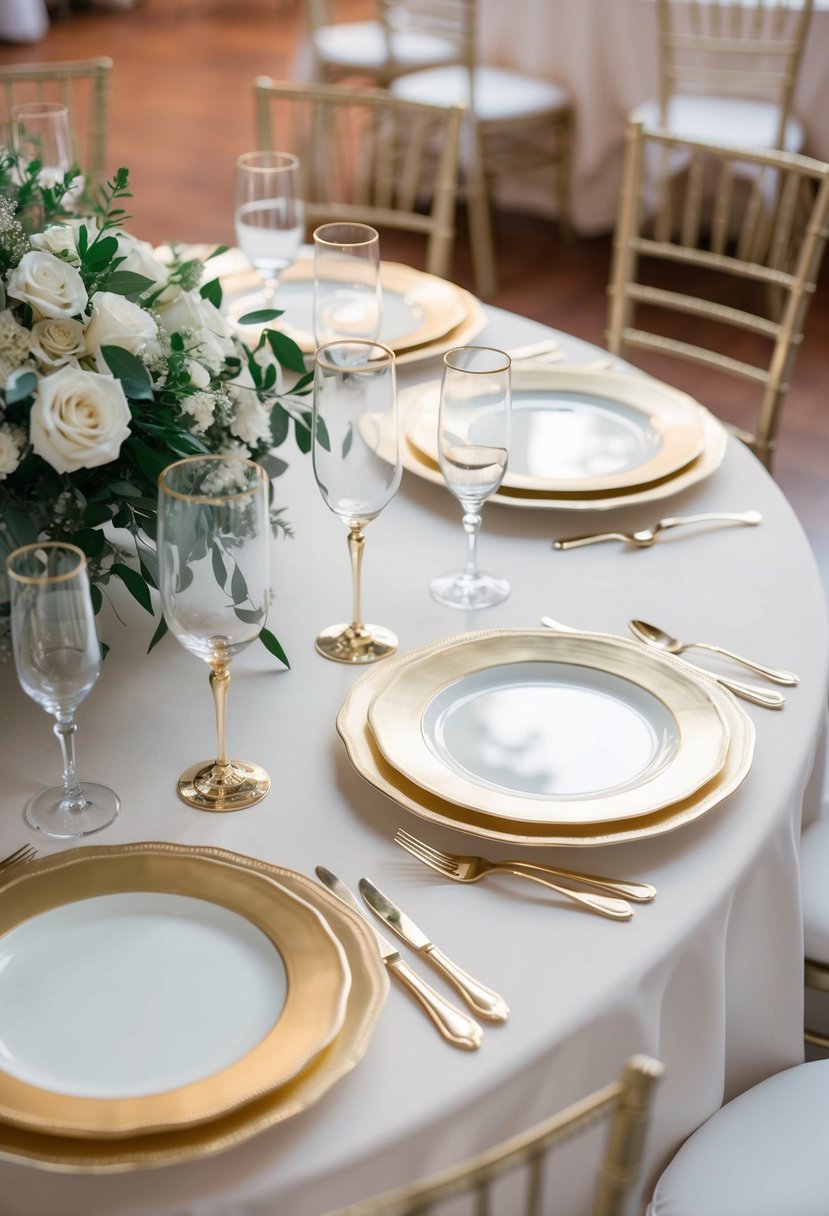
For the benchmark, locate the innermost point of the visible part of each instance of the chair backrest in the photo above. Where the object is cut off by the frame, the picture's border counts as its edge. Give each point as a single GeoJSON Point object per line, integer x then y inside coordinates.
{"type": "Point", "coordinates": [762, 237]}
{"type": "Point", "coordinates": [625, 1104]}
{"type": "Point", "coordinates": [453, 22]}
{"type": "Point", "coordinates": [369, 157]}
{"type": "Point", "coordinates": [83, 86]}
{"type": "Point", "coordinates": [745, 48]}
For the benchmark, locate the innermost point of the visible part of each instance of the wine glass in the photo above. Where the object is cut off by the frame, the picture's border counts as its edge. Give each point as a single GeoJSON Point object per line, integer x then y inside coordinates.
{"type": "Point", "coordinates": [270, 219]}
{"type": "Point", "coordinates": [58, 660]}
{"type": "Point", "coordinates": [40, 132]}
{"type": "Point", "coordinates": [213, 556]}
{"type": "Point", "coordinates": [473, 448]}
{"type": "Point", "coordinates": [356, 457]}
{"type": "Point", "coordinates": [347, 293]}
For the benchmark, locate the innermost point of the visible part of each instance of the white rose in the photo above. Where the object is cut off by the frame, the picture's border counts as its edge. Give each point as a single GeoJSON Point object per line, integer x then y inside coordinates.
{"type": "Point", "coordinates": [79, 419]}
{"type": "Point", "coordinates": [52, 287]}
{"type": "Point", "coordinates": [199, 375]}
{"type": "Point", "coordinates": [11, 449]}
{"type": "Point", "coordinates": [116, 321]}
{"type": "Point", "coordinates": [140, 259]}
{"type": "Point", "coordinates": [212, 337]}
{"type": "Point", "coordinates": [55, 341]}
{"type": "Point", "coordinates": [63, 238]}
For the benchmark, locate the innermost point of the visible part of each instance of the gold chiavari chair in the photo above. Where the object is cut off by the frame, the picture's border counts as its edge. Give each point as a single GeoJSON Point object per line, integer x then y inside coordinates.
{"type": "Point", "coordinates": [625, 1104]}
{"type": "Point", "coordinates": [761, 237]}
{"type": "Point", "coordinates": [728, 70]}
{"type": "Point", "coordinates": [83, 86]}
{"type": "Point", "coordinates": [369, 157]}
{"type": "Point", "coordinates": [379, 47]}
{"type": "Point", "coordinates": [517, 123]}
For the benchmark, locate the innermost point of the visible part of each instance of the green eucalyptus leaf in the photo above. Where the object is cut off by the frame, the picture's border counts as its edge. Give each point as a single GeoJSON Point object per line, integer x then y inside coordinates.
{"type": "Point", "coordinates": [20, 385]}
{"type": "Point", "coordinates": [273, 646]}
{"type": "Point", "coordinates": [212, 291]}
{"type": "Point", "coordinates": [261, 316]}
{"type": "Point", "coordinates": [128, 368]}
{"type": "Point", "coordinates": [238, 586]}
{"type": "Point", "coordinates": [286, 351]}
{"type": "Point", "coordinates": [135, 584]}
{"type": "Point", "coordinates": [280, 421]}
{"type": "Point", "coordinates": [158, 635]}
{"type": "Point", "coordinates": [219, 571]}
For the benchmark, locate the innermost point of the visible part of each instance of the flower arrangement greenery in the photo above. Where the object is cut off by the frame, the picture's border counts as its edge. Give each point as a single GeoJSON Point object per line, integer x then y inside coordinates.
{"type": "Point", "coordinates": [114, 362]}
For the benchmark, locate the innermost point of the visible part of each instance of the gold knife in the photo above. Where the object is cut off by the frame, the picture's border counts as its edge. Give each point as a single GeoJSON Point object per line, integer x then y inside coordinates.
{"type": "Point", "coordinates": [455, 1026]}
{"type": "Point", "coordinates": [482, 1000]}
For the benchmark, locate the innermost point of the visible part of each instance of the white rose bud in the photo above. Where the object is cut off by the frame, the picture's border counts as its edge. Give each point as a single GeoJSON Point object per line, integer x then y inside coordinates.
{"type": "Point", "coordinates": [52, 287]}
{"type": "Point", "coordinates": [63, 238]}
{"type": "Point", "coordinates": [116, 321]}
{"type": "Point", "coordinates": [140, 259]}
{"type": "Point", "coordinates": [56, 341]}
{"type": "Point", "coordinates": [79, 419]}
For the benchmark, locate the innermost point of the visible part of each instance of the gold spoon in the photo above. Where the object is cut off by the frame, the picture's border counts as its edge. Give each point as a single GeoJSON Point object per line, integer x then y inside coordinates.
{"type": "Point", "coordinates": [653, 636]}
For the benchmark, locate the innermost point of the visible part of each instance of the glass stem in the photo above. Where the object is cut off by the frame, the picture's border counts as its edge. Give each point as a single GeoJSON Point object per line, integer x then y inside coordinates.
{"type": "Point", "coordinates": [73, 796]}
{"type": "Point", "coordinates": [356, 544]}
{"type": "Point", "coordinates": [219, 683]}
{"type": "Point", "coordinates": [471, 526]}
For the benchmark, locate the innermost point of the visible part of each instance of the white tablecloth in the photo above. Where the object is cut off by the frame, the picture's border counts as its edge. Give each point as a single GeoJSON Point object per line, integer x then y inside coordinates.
{"type": "Point", "coordinates": [606, 52]}
{"type": "Point", "coordinates": [708, 978]}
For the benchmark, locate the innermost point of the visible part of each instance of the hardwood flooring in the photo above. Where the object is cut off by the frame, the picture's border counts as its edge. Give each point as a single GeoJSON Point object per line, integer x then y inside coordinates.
{"type": "Point", "coordinates": [182, 111]}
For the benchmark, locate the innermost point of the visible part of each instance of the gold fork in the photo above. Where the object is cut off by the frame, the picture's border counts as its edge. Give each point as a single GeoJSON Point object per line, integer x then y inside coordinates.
{"type": "Point", "coordinates": [24, 853]}
{"type": "Point", "coordinates": [471, 869]}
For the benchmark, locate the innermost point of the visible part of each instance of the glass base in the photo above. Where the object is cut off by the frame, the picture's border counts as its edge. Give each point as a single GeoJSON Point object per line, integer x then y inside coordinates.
{"type": "Point", "coordinates": [223, 787]}
{"type": "Point", "coordinates": [345, 644]}
{"type": "Point", "coordinates": [43, 811]}
{"type": "Point", "coordinates": [469, 591]}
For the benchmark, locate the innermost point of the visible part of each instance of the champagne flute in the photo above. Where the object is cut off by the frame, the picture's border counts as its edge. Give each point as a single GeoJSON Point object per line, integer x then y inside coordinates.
{"type": "Point", "coordinates": [270, 219]}
{"type": "Point", "coordinates": [474, 424]}
{"type": "Point", "coordinates": [213, 557]}
{"type": "Point", "coordinates": [356, 458]}
{"type": "Point", "coordinates": [347, 295]}
{"type": "Point", "coordinates": [58, 660]}
{"type": "Point", "coordinates": [40, 132]}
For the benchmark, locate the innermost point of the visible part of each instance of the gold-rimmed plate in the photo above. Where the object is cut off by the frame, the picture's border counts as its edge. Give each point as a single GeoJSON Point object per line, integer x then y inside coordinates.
{"type": "Point", "coordinates": [418, 308]}
{"type": "Point", "coordinates": [549, 727]}
{"type": "Point", "coordinates": [576, 430]}
{"type": "Point", "coordinates": [369, 987]}
{"type": "Point", "coordinates": [369, 762]}
{"type": "Point", "coordinates": [148, 991]}
{"type": "Point", "coordinates": [715, 438]}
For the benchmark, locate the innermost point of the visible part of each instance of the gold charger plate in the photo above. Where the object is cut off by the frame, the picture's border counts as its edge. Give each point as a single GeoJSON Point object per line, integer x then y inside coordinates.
{"type": "Point", "coordinates": [424, 308]}
{"type": "Point", "coordinates": [707, 463]}
{"type": "Point", "coordinates": [300, 976]}
{"type": "Point", "coordinates": [549, 727]}
{"type": "Point", "coordinates": [602, 430]}
{"type": "Point", "coordinates": [368, 761]}
{"type": "Point", "coordinates": [369, 987]}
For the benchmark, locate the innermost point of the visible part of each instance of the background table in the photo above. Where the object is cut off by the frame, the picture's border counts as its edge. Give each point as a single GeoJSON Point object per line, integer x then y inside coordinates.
{"type": "Point", "coordinates": [607, 54]}
{"type": "Point", "coordinates": [708, 978]}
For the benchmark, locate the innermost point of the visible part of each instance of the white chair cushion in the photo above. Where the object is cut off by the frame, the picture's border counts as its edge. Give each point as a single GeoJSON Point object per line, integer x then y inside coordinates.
{"type": "Point", "coordinates": [362, 44]}
{"type": "Point", "coordinates": [814, 882]}
{"type": "Point", "coordinates": [732, 121]}
{"type": "Point", "coordinates": [499, 94]}
{"type": "Point", "coordinates": [763, 1154]}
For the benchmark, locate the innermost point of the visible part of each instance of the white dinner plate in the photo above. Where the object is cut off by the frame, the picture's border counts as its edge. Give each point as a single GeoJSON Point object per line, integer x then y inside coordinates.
{"type": "Point", "coordinates": [418, 308]}
{"type": "Point", "coordinates": [582, 431]}
{"type": "Point", "coordinates": [548, 727]}
{"type": "Point", "coordinates": [148, 992]}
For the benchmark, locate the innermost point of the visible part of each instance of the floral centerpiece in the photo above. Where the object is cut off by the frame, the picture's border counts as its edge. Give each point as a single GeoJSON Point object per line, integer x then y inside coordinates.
{"type": "Point", "coordinates": [115, 362]}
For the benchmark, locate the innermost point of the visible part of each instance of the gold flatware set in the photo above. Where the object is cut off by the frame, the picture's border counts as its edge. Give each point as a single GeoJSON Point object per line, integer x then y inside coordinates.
{"type": "Point", "coordinates": [645, 537]}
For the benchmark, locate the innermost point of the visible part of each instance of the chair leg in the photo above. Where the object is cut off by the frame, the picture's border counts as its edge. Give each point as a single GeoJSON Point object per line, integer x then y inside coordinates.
{"type": "Point", "coordinates": [480, 219]}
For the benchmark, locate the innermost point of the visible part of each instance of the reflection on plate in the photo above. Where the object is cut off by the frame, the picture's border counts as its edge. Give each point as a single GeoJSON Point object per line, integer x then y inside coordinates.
{"type": "Point", "coordinates": [418, 308]}
{"type": "Point", "coordinates": [715, 438]}
{"type": "Point", "coordinates": [146, 992]}
{"type": "Point", "coordinates": [369, 762]}
{"type": "Point", "coordinates": [548, 727]}
{"type": "Point", "coordinates": [369, 986]}
{"type": "Point", "coordinates": [582, 430]}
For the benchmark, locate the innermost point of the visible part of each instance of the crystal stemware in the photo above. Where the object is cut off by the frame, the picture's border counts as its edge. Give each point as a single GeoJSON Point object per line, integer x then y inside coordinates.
{"type": "Point", "coordinates": [473, 448]}
{"type": "Point", "coordinates": [58, 660]}
{"type": "Point", "coordinates": [270, 220]}
{"type": "Point", "coordinates": [347, 293]}
{"type": "Point", "coordinates": [213, 557]}
{"type": "Point", "coordinates": [40, 132]}
{"type": "Point", "coordinates": [356, 457]}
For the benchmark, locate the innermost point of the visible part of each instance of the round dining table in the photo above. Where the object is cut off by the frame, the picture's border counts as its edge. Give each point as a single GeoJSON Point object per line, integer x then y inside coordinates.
{"type": "Point", "coordinates": [707, 978]}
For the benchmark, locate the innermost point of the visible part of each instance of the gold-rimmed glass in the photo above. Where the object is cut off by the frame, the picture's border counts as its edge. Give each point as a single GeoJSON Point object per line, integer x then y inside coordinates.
{"type": "Point", "coordinates": [355, 405]}
{"type": "Point", "coordinates": [269, 218]}
{"type": "Point", "coordinates": [348, 301]}
{"type": "Point", "coordinates": [40, 132]}
{"type": "Point", "coordinates": [58, 661]}
{"type": "Point", "coordinates": [474, 429]}
{"type": "Point", "coordinates": [214, 560]}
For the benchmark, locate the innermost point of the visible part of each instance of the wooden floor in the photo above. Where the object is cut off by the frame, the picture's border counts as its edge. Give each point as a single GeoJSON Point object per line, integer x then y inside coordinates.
{"type": "Point", "coordinates": [182, 111]}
